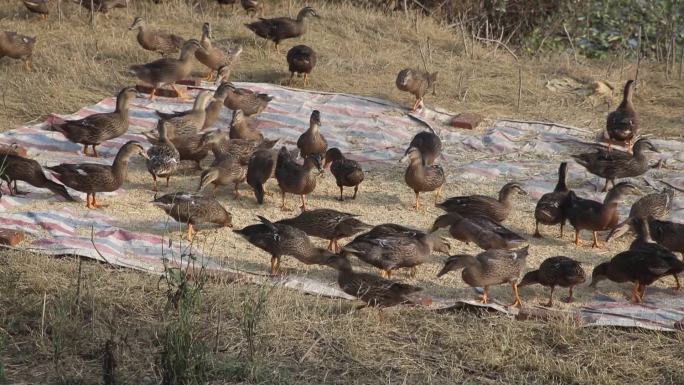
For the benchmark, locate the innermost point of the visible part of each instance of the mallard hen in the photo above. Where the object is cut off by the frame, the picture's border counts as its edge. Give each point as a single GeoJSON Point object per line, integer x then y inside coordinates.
{"type": "Point", "coordinates": [102, 6]}
{"type": "Point", "coordinates": [645, 244]}
{"type": "Point", "coordinates": [163, 157]}
{"type": "Point", "coordinates": [494, 209]}
{"type": "Point", "coordinates": [213, 110]}
{"type": "Point", "coordinates": [347, 172]}
{"type": "Point", "coordinates": [167, 70]}
{"type": "Point", "coordinates": [39, 7]}
{"type": "Point", "coordinates": [280, 240]}
{"type": "Point", "coordinates": [657, 206]}
{"type": "Point", "coordinates": [421, 177]}
{"type": "Point", "coordinates": [373, 290]}
{"type": "Point", "coordinates": [328, 224]}
{"type": "Point", "coordinates": [281, 28]}
{"type": "Point", "coordinates": [214, 57]}
{"type": "Point", "coordinates": [261, 168]}
{"type": "Point", "coordinates": [15, 168]}
{"type": "Point", "coordinates": [417, 83]}
{"type": "Point", "coordinates": [549, 207]}
{"type": "Point", "coordinates": [92, 178]}
{"type": "Point", "coordinates": [596, 216]}
{"type": "Point", "coordinates": [242, 127]}
{"type": "Point", "coordinates": [161, 42]}
{"type": "Point", "coordinates": [226, 172]}
{"type": "Point", "coordinates": [622, 124]}
{"type": "Point", "coordinates": [668, 234]}
{"type": "Point", "coordinates": [429, 145]}
{"type": "Point", "coordinates": [301, 60]}
{"type": "Point", "coordinates": [617, 164]}
{"type": "Point", "coordinates": [492, 267]}
{"type": "Point", "coordinates": [392, 248]}
{"type": "Point", "coordinates": [16, 46]}
{"type": "Point", "coordinates": [556, 271]}
{"type": "Point", "coordinates": [482, 231]}
{"type": "Point", "coordinates": [98, 128]}
{"type": "Point", "coordinates": [194, 210]}
{"type": "Point", "coordinates": [185, 124]}
{"type": "Point", "coordinates": [242, 99]}
{"type": "Point", "coordinates": [294, 178]}
{"type": "Point", "coordinates": [241, 149]}
{"type": "Point", "coordinates": [312, 142]}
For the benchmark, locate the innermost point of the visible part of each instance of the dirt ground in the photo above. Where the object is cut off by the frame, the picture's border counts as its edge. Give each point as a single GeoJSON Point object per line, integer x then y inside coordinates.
{"type": "Point", "coordinates": [306, 339]}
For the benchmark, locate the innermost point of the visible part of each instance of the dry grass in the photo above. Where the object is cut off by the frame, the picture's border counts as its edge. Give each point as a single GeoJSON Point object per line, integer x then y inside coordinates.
{"type": "Point", "coordinates": [306, 339]}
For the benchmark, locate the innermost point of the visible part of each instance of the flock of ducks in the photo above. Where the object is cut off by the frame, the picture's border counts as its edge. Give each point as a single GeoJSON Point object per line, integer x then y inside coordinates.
{"type": "Point", "coordinates": [242, 154]}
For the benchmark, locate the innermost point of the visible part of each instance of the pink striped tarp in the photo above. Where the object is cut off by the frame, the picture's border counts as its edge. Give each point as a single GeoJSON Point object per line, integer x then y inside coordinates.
{"type": "Point", "coordinates": [369, 130]}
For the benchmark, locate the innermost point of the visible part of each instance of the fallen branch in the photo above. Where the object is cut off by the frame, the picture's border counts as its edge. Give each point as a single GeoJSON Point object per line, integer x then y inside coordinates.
{"type": "Point", "coordinates": [499, 42]}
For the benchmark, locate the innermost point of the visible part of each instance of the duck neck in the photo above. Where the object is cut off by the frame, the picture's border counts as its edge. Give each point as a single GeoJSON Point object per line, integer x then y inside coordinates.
{"type": "Point", "coordinates": [122, 103]}
{"type": "Point", "coordinates": [315, 129]}
{"type": "Point", "coordinates": [627, 95]}
{"type": "Point", "coordinates": [505, 197]}
{"type": "Point", "coordinates": [186, 55]}
{"type": "Point", "coordinates": [301, 16]}
{"type": "Point", "coordinates": [607, 213]}
{"type": "Point", "coordinates": [562, 177]}
{"type": "Point", "coordinates": [205, 40]}
{"type": "Point", "coordinates": [120, 165]}
{"type": "Point", "coordinates": [613, 196]}
{"type": "Point", "coordinates": [416, 166]}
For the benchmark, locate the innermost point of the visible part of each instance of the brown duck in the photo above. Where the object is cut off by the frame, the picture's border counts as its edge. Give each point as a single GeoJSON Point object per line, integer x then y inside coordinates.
{"type": "Point", "coordinates": [549, 207]}
{"type": "Point", "coordinates": [482, 231]}
{"type": "Point", "coordinates": [492, 267]}
{"type": "Point", "coordinates": [596, 216]}
{"type": "Point", "coordinates": [194, 210]}
{"type": "Point", "coordinates": [213, 110]}
{"type": "Point", "coordinates": [492, 208]}
{"type": "Point", "coordinates": [657, 206]}
{"type": "Point", "coordinates": [421, 177]}
{"type": "Point", "coordinates": [163, 158]}
{"type": "Point", "coordinates": [645, 244]}
{"type": "Point", "coordinates": [102, 6]}
{"type": "Point", "coordinates": [373, 290]}
{"type": "Point", "coordinates": [16, 46]}
{"type": "Point", "coordinates": [617, 164]}
{"type": "Point", "coordinates": [347, 172]}
{"type": "Point", "coordinates": [312, 142]}
{"type": "Point", "coordinates": [98, 128]}
{"type": "Point", "coordinates": [15, 168]}
{"type": "Point", "coordinates": [622, 125]}
{"type": "Point", "coordinates": [167, 70]}
{"type": "Point", "coordinates": [281, 28]}
{"type": "Point", "coordinates": [280, 240]}
{"type": "Point", "coordinates": [253, 7]}
{"type": "Point", "coordinates": [261, 168]}
{"type": "Point", "coordinates": [241, 149]}
{"type": "Point", "coordinates": [161, 42]}
{"type": "Point", "coordinates": [92, 178]}
{"type": "Point", "coordinates": [242, 127]}
{"type": "Point", "coordinates": [301, 60]}
{"type": "Point", "coordinates": [294, 178]}
{"type": "Point", "coordinates": [556, 271]}
{"type": "Point", "coordinates": [242, 99]}
{"type": "Point", "coordinates": [214, 57]}
{"type": "Point", "coordinates": [327, 224]}
{"type": "Point", "coordinates": [39, 7]}
{"type": "Point", "coordinates": [429, 145]}
{"type": "Point", "coordinates": [417, 83]}
{"type": "Point", "coordinates": [226, 172]}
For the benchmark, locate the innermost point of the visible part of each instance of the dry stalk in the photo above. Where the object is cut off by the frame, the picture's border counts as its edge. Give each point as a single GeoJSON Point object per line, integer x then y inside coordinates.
{"type": "Point", "coordinates": [499, 42]}
{"type": "Point", "coordinates": [572, 45]}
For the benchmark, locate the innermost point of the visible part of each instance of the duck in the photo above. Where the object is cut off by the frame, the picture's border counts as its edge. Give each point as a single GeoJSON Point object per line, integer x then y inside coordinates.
{"type": "Point", "coordinates": [656, 205]}
{"type": "Point", "coordinates": [227, 171]}
{"type": "Point", "coordinates": [417, 83]}
{"type": "Point", "coordinates": [482, 231]}
{"type": "Point", "coordinates": [421, 177]}
{"type": "Point", "coordinates": [668, 234]}
{"type": "Point", "coordinates": [98, 128]}
{"type": "Point", "coordinates": [596, 216]}
{"type": "Point", "coordinates": [644, 243]}
{"type": "Point", "coordinates": [294, 178]}
{"type": "Point", "coordinates": [393, 248]}
{"type": "Point", "coordinates": [347, 172]}
{"type": "Point", "coordinates": [163, 157]}
{"type": "Point", "coordinates": [102, 6]}
{"type": "Point", "coordinates": [492, 267]}
{"type": "Point", "coordinates": [39, 7]}
{"type": "Point", "coordinates": [17, 46]}
{"type": "Point", "coordinates": [375, 291]}
{"type": "Point", "coordinates": [185, 124]}
{"type": "Point", "coordinates": [312, 142]}
{"type": "Point", "coordinates": [301, 60]}
{"type": "Point", "coordinates": [492, 208]}
{"type": "Point", "coordinates": [328, 224]}
{"type": "Point", "coordinates": [617, 164]}
{"type": "Point", "coordinates": [282, 240]}
{"type": "Point", "coordinates": [549, 207]}
{"type": "Point", "coordinates": [241, 149]}
{"type": "Point", "coordinates": [92, 178]}
{"type": "Point", "coordinates": [167, 70]}
{"type": "Point", "coordinates": [164, 43]}
{"type": "Point", "coordinates": [253, 7]}
{"type": "Point", "coordinates": [243, 128]}
{"type": "Point", "coordinates": [242, 99]}
{"type": "Point", "coordinates": [429, 144]}
{"type": "Point", "coordinates": [261, 168]}
{"type": "Point", "coordinates": [194, 210]}
{"type": "Point", "coordinates": [14, 167]}
{"type": "Point", "coordinates": [213, 110]}
{"type": "Point", "coordinates": [281, 28]}
{"type": "Point", "coordinates": [214, 57]}
{"type": "Point", "coordinates": [556, 271]}
{"type": "Point", "coordinates": [622, 125]}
